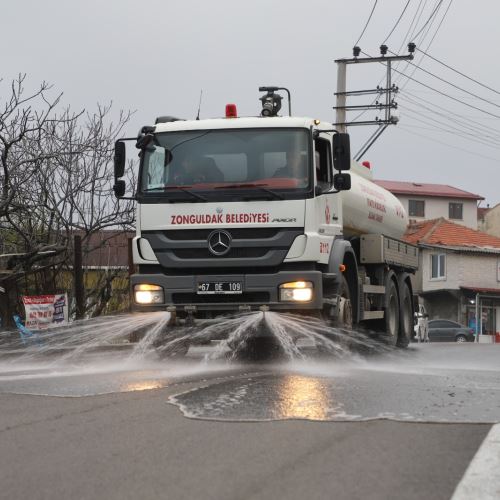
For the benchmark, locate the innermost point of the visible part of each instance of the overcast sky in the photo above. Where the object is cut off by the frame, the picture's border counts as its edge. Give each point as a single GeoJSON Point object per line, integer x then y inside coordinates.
{"type": "Point", "coordinates": [154, 58]}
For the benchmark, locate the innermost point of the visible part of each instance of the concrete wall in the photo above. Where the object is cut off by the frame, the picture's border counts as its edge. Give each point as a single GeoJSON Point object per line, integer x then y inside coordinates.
{"type": "Point", "coordinates": [480, 271]}
{"type": "Point", "coordinates": [491, 223]}
{"type": "Point", "coordinates": [439, 207]}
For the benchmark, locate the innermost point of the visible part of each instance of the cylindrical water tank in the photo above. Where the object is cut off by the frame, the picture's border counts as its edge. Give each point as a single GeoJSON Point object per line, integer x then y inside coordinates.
{"type": "Point", "coordinates": [369, 208]}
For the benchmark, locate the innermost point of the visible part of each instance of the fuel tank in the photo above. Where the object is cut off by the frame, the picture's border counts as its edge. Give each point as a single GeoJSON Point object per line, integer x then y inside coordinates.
{"type": "Point", "coordinates": [369, 208]}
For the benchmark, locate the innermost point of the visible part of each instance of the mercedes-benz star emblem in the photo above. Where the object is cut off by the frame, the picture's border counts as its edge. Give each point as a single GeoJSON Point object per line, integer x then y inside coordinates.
{"type": "Point", "coordinates": [219, 242]}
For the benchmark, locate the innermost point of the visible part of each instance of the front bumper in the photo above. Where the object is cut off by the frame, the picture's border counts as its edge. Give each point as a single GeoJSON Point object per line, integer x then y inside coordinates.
{"type": "Point", "coordinates": [258, 290]}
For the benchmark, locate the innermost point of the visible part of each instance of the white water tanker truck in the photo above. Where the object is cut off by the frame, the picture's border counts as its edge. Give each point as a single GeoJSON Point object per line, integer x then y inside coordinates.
{"type": "Point", "coordinates": [268, 212]}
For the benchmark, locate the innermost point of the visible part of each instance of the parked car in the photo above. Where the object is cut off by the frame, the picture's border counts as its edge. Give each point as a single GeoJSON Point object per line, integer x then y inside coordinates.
{"type": "Point", "coordinates": [444, 330]}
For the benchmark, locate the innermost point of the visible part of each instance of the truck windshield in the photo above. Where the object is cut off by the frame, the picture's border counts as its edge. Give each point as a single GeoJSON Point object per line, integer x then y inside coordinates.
{"type": "Point", "coordinates": [264, 163]}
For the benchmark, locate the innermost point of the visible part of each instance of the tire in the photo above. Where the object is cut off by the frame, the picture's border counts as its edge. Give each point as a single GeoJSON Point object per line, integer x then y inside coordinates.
{"type": "Point", "coordinates": [460, 338]}
{"type": "Point", "coordinates": [391, 317]}
{"type": "Point", "coordinates": [344, 319]}
{"type": "Point", "coordinates": [405, 317]}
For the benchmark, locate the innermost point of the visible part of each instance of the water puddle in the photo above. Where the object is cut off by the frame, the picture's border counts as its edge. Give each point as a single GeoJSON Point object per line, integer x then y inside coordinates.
{"type": "Point", "coordinates": [409, 389]}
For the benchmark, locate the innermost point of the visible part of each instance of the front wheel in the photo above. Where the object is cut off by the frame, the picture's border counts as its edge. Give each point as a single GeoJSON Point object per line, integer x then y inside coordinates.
{"type": "Point", "coordinates": [344, 308]}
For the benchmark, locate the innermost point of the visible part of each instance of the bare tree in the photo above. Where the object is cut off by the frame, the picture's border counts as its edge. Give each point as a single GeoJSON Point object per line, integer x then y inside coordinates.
{"type": "Point", "coordinates": [56, 179]}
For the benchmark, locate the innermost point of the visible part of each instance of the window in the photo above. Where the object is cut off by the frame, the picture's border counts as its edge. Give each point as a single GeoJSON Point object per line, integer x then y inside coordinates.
{"type": "Point", "coordinates": [323, 159]}
{"type": "Point", "coordinates": [455, 211]}
{"type": "Point", "coordinates": [416, 208]}
{"type": "Point", "coordinates": [229, 163]}
{"type": "Point", "coordinates": [441, 323]}
{"type": "Point", "coordinates": [438, 268]}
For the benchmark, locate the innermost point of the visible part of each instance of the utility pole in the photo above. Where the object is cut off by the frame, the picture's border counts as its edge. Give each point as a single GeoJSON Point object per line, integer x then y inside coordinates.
{"type": "Point", "coordinates": [78, 277]}
{"type": "Point", "coordinates": [389, 90]}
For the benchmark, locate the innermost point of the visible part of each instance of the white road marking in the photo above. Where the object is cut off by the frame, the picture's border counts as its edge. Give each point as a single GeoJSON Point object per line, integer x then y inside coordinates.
{"type": "Point", "coordinates": [481, 480]}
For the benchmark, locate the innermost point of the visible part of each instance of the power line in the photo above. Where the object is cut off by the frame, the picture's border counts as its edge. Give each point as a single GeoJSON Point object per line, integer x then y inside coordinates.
{"type": "Point", "coordinates": [439, 92]}
{"type": "Point", "coordinates": [453, 85]}
{"type": "Point", "coordinates": [432, 39]}
{"type": "Point", "coordinates": [404, 129]}
{"type": "Point", "coordinates": [453, 130]}
{"type": "Point", "coordinates": [474, 131]}
{"type": "Point", "coordinates": [367, 23]}
{"type": "Point", "coordinates": [397, 22]}
{"type": "Point", "coordinates": [430, 17]}
{"type": "Point", "coordinates": [459, 72]}
{"type": "Point", "coordinates": [399, 50]}
{"type": "Point", "coordinates": [479, 126]}
{"type": "Point", "coordinates": [434, 129]}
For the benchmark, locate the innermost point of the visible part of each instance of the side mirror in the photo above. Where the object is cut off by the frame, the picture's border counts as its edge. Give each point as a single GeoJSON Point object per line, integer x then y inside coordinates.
{"type": "Point", "coordinates": [341, 145]}
{"type": "Point", "coordinates": [342, 182]}
{"type": "Point", "coordinates": [120, 156]}
{"type": "Point", "coordinates": [119, 188]}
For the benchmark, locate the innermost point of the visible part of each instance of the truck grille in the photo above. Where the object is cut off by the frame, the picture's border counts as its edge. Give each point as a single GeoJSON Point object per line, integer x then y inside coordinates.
{"type": "Point", "coordinates": [234, 253]}
{"type": "Point", "coordinates": [249, 247]}
{"type": "Point", "coordinates": [236, 233]}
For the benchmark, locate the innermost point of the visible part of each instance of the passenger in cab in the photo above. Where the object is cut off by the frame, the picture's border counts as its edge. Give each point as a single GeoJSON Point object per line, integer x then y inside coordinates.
{"type": "Point", "coordinates": [295, 168]}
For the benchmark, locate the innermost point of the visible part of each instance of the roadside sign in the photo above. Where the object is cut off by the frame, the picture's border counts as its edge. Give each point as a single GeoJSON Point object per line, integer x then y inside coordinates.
{"type": "Point", "coordinates": [44, 311]}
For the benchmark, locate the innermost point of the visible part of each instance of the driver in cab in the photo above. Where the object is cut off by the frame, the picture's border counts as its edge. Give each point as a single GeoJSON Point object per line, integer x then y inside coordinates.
{"type": "Point", "coordinates": [197, 170]}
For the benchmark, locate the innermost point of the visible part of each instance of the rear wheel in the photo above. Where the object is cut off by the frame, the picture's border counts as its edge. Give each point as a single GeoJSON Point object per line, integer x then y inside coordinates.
{"type": "Point", "coordinates": [460, 338]}
{"type": "Point", "coordinates": [406, 317]}
{"type": "Point", "coordinates": [391, 317]}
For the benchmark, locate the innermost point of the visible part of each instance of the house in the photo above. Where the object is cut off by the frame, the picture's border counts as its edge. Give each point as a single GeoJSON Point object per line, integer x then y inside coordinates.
{"type": "Point", "coordinates": [459, 273]}
{"type": "Point", "coordinates": [432, 201]}
{"type": "Point", "coordinates": [488, 220]}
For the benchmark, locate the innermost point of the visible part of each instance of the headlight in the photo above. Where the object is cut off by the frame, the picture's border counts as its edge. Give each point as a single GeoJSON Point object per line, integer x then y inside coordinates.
{"type": "Point", "coordinates": [148, 294]}
{"type": "Point", "coordinates": [296, 291]}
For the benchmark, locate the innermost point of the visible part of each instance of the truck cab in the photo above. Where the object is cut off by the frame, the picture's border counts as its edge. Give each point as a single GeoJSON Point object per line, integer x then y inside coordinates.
{"type": "Point", "coordinates": [235, 213]}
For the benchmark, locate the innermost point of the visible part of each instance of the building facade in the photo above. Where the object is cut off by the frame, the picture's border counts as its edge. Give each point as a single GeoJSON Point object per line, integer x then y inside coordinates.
{"type": "Point", "coordinates": [432, 201]}
{"type": "Point", "coordinates": [459, 273]}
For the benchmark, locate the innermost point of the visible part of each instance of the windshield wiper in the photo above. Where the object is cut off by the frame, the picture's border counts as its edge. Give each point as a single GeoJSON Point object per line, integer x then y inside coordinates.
{"type": "Point", "coordinates": [184, 189]}
{"type": "Point", "coordinates": [250, 185]}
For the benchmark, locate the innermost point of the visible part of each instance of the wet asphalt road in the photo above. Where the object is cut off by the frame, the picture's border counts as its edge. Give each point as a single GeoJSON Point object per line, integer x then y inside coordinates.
{"type": "Point", "coordinates": [399, 425]}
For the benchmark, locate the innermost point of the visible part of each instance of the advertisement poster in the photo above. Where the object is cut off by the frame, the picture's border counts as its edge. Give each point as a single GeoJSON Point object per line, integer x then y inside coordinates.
{"type": "Point", "coordinates": [45, 311]}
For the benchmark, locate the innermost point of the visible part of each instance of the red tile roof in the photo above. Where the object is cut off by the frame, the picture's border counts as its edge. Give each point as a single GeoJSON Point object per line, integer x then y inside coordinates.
{"type": "Point", "coordinates": [445, 233]}
{"type": "Point", "coordinates": [426, 190]}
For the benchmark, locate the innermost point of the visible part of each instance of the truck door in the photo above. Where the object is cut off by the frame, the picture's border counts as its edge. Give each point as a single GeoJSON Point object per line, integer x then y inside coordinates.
{"type": "Point", "coordinates": [327, 203]}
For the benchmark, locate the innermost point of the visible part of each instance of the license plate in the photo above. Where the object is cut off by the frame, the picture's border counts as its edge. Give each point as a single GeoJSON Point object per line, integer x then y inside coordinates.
{"type": "Point", "coordinates": [220, 287]}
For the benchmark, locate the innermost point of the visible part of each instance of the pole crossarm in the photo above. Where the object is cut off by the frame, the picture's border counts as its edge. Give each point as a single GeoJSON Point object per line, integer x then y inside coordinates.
{"type": "Point", "coordinates": [392, 105]}
{"type": "Point", "coordinates": [382, 59]}
{"type": "Point", "coordinates": [367, 122]}
{"type": "Point", "coordinates": [378, 90]}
